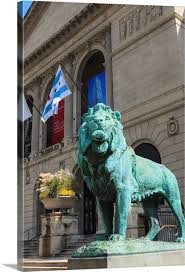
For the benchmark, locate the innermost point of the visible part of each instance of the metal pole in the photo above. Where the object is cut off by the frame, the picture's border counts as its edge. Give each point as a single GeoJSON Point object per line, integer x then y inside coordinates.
{"type": "Point", "coordinates": [74, 82]}
{"type": "Point", "coordinates": [34, 106]}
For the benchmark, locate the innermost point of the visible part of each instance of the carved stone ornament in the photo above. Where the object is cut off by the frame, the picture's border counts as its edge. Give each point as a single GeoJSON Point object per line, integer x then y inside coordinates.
{"type": "Point", "coordinates": [172, 126]}
{"type": "Point", "coordinates": [138, 19]}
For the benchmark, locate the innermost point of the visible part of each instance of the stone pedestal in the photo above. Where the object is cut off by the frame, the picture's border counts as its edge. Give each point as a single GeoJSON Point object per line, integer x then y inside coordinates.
{"type": "Point", "coordinates": [127, 253]}
{"type": "Point", "coordinates": [57, 230]}
{"type": "Point", "coordinates": [168, 258]}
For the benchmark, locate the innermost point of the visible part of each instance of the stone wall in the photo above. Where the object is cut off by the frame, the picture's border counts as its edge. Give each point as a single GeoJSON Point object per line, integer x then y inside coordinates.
{"type": "Point", "coordinates": [147, 67]}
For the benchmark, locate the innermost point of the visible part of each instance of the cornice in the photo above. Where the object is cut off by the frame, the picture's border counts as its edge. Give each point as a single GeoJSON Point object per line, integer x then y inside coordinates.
{"type": "Point", "coordinates": [73, 57]}
{"type": "Point", "coordinates": [32, 17]}
{"type": "Point", "coordinates": [75, 24]}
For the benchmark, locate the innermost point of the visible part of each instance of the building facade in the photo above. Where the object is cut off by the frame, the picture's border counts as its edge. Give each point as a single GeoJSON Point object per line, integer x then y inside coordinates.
{"type": "Point", "coordinates": [140, 51]}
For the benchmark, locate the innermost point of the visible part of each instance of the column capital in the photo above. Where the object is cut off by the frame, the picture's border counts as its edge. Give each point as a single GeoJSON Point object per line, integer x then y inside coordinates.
{"type": "Point", "coordinates": [37, 82]}
{"type": "Point", "coordinates": [107, 28]}
{"type": "Point", "coordinates": [69, 58]}
{"type": "Point", "coordinates": [52, 69]}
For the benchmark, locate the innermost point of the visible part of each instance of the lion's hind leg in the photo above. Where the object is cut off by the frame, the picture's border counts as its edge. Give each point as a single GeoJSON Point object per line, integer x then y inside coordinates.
{"type": "Point", "coordinates": [150, 209]}
{"type": "Point", "coordinates": [175, 204]}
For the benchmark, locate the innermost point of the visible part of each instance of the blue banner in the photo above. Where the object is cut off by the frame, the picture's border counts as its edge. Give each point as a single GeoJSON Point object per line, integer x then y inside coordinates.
{"type": "Point", "coordinates": [96, 90]}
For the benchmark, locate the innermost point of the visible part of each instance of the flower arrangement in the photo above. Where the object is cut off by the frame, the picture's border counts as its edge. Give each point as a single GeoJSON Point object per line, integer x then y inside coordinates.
{"type": "Point", "coordinates": [62, 183]}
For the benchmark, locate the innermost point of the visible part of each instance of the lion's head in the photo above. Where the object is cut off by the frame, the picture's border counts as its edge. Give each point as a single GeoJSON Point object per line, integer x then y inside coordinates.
{"type": "Point", "coordinates": [100, 133]}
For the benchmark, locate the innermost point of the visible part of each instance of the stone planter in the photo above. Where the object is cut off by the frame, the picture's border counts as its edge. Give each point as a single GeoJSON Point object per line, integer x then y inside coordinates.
{"type": "Point", "coordinates": [63, 202]}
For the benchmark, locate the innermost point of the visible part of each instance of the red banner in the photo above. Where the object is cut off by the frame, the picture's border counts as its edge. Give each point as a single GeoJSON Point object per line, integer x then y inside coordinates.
{"type": "Point", "coordinates": [58, 124]}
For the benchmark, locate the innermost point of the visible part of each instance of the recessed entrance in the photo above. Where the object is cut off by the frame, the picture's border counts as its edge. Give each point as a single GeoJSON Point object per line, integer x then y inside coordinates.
{"type": "Point", "coordinates": [93, 91]}
{"type": "Point", "coordinates": [148, 151]}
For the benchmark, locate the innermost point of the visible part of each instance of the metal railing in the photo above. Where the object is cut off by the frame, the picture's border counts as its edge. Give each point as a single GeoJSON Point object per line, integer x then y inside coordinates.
{"type": "Point", "coordinates": [30, 234]}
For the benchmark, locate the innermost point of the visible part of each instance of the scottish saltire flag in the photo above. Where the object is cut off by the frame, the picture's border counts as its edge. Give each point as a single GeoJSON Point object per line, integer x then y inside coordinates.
{"type": "Point", "coordinates": [59, 90]}
{"type": "Point", "coordinates": [23, 109]}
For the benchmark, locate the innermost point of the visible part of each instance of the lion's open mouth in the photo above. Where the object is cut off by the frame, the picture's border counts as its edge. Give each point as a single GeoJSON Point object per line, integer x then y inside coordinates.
{"type": "Point", "coordinates": [99, 142]}
{"type": "Point", "coordinates": [98, 136]}
{"type": "Point", "coordinates": [100, 148]}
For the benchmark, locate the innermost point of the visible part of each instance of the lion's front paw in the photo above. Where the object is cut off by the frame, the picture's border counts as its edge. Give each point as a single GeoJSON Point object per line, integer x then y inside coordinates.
{"type": "Point", "coordinates": [116, 237]}
{"type": "Point", "coordinates": [180, 240]}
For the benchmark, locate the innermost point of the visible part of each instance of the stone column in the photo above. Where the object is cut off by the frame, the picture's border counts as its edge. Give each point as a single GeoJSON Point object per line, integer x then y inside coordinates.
{"type": "Point", "coordinates": [36, 119]}
{"type": "Point", "coordinates": [68, 104]}
{"type": "Point", "coordinates": [108, 67]}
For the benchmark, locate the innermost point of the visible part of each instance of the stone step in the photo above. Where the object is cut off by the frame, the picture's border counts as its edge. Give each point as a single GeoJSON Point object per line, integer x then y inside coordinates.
{"type": "Point", "coordinates": [67, 253]}
{"type": "Point", "coordinates": [36, 268]}
{"type": "Point", "coordinates": [45, 263]}
{"type": "Point", "coordinates": [31, 248]}
{"type": "Point", "coordinates": [81, 242]}
{"type": "Point", "coordinates": [31, 242]}
{"type": "Point", "coordinates": [30, 254]}
{"type": "Point", "coordinates": [71, 247]}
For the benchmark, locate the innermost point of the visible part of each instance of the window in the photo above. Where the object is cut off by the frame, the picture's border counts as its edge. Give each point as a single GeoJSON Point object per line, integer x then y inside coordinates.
{"type": "Point", "coordinates": [55, 126]}
{"type": "Point", "coordinates": [93, 82]}
{"type": "Point", "coordinates": [28, 128]}
{"type": "Point", "coordinates": [53, 131]}
{"type": "Point", "coordinates": [150, 152]}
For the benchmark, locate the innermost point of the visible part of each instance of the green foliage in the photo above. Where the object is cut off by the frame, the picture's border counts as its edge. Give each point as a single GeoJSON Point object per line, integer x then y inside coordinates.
{"type": "Point", "coordinates": [56, 185]}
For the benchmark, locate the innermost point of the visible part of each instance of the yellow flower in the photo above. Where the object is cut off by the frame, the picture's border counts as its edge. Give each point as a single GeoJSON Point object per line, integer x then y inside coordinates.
{"type": "Point", "coordinates": [65, 192]}
{"type": "Point", "coordinates": [43, 195]}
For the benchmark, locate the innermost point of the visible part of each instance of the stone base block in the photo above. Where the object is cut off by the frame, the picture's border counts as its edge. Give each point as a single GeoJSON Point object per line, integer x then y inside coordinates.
{"type": "Point", "coordinates": [168, 258]}
{"type": "Point", "coordinates": [57, 230]}
{"type": "Point", "coordinates": [51, 246]}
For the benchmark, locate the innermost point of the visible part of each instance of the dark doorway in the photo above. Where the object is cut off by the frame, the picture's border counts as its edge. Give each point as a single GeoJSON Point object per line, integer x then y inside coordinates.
{"type": "Point", "coordinates": [89, 212]}
{"type": "Point", "coordinates": [148, 151]}
{"type": "Point", "coordinates": [93, 67]}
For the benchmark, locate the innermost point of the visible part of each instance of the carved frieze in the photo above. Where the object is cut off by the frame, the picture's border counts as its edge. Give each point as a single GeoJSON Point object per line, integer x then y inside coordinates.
{"type": "Point", "coordinates": [138, 19]}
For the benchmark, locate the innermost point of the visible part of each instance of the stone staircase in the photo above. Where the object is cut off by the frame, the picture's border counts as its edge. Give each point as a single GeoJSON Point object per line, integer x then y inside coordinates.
{"type": "Point", "coordinates": [83, 240]}
{"type": "Point", "coordinates": [32, 262]}
{"type": "Point", "coordinates": [31, 249]}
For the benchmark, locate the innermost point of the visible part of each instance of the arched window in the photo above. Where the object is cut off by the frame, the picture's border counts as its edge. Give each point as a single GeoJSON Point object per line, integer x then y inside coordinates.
{"type": "Point", "coordinates": [93, 82]}
{"type": "Point", "coordinates": [55, 124]}
{"type": "Point", "coordinates": [148, 151]}
{"type": "Point", "coordinates": [28, 128]}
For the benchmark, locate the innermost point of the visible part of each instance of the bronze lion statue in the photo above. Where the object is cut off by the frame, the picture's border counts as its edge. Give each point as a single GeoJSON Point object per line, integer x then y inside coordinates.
{"type": "Point", "coordinates": [115, 174]}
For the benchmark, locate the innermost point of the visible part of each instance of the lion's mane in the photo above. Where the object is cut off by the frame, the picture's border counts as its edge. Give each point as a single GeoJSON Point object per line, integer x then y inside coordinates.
{"type": "Point", "coordinates": [114, 134]}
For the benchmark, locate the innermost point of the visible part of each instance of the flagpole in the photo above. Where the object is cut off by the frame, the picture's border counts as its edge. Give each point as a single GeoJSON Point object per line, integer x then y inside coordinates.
{"type": "Point", "coordinates": [73, 82]}
{"type": "Point", "coordinates": [34, 106]}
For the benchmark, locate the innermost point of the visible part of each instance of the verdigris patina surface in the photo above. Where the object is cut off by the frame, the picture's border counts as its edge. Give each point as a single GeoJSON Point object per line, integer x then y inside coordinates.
{"type": "Point", "coordinates": [126, 247]}
{"type": "Point", "coordinates": [115, 174]}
